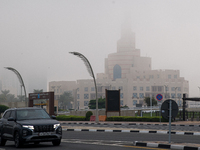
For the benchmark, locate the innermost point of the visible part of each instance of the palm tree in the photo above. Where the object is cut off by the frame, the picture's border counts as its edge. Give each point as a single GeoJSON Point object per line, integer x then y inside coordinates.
{"type": "Point", "coordinates": [37, 91]}
{"type": "Point", "coordinates": [4, 94]}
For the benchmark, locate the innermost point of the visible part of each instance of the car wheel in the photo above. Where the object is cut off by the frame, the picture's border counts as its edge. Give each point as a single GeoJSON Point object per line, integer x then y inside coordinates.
{"type": "Point", "coordinates": [18, 143]}
{"type": "Point", "coordinates": [2, 141]}
{"type": "Point", "coordinates": [56, 142]}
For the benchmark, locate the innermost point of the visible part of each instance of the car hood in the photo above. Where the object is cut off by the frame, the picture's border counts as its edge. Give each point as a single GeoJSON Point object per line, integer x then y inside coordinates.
{"type": "Point", "coordinates": [38, 122]}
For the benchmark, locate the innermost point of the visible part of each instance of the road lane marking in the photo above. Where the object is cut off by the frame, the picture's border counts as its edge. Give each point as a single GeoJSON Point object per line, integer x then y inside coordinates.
{"type": "Point", "coordinates": [144, 147]}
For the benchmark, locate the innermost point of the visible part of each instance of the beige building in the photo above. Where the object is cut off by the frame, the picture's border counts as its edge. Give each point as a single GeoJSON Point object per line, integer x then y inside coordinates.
{"type": "Point", "coordinates": [128, 71]}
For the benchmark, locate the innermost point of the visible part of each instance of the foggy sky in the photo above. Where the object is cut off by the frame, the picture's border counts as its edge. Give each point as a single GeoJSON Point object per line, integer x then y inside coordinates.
{"type": "Point", "coordinates": [36, 36]}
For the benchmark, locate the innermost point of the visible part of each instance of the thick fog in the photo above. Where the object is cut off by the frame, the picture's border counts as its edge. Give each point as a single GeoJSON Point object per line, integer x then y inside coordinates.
{"type": "Point", "coordinates": [36, 37]}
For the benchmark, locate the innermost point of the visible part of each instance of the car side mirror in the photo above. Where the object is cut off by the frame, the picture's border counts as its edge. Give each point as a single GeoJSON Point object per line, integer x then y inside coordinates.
{"type": "Point", "coordinates": [11, 119]}
{"type": "Point", "coordinates": [53, 117]}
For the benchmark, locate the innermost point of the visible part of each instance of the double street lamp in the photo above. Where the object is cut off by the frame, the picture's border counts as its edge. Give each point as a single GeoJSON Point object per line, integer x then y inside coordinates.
{"type": "Point", "coordinates": [20, 80]}
{"type": "Point", "coordinates": [89, 68]}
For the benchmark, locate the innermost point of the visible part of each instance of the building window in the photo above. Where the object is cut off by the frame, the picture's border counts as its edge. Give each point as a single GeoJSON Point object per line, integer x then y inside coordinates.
{"type": "Point", "coordinates": [92, 95]}
{"type": "Point", "coordinates": [169, 76]}
{"type": "Point", "coordinates": [117, 72]}
{"type": "Point", "coordinates": [92, 89]}
{"type": "Point", "coordinates": [141, 95]}
{"type": "Point", "coordinates": [147, 94]}
{"type": "Point", "coordinates": [113, 88]}
{"type": "Point", "coordinates": [138, 77]}
{"type": "Point", "coordinates": [86, 103]}
{"type": "Point", "coordinates": [121, 95]}
{"type": "Point", "coordinates": [151, 77]}
{"type": "Point", "coordinates": [175, 76]}
{"type": "Point", "coordinates": [134, 95]}
{"type": "Point", "coordinates": [77, 89]}
{"type": "Point", "coordinates": [135, 88]}
{"type": "Point", "coordinates": [160, 88]}
{"type": "Point", "coordinates": [86, 96]}
{"type": "Point", "coordinates": [166, 88]}
{"type": "Point", "coordinates": [99, 88]}
{"type": "Point", "coordinates": [141, 88]}
{"type": "Point", "coordinates": [147, 88]}
{"type": "Point", "coordinates": [134, 102]}
{"type": "Point", "coordinates": [154, 88]}
{"type": "Point", "coordinates": [121, 102]}
{"type": "Point", "coordinates": [78, 96]}
{"type": "Point", "coordinates": [121, 88]}
{"type": "Point", "coordinates": [173, 95]}
{"type": "Point", "coordinates": [158, 76]}
{"type": "Point", "coordinates": [86, 89]}
{"type": "Point", "coordinates": [179, 88]}
{"type": "Point", "coordinates": [179, 95]}
{"type": "Point", "coordinates": [173, 88]}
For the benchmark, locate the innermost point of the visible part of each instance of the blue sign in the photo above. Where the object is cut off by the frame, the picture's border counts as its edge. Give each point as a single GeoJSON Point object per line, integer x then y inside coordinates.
{"type": "Point", "coordinates": [159, 97]}
{"type": "Point", "coordinates": [38, 95]}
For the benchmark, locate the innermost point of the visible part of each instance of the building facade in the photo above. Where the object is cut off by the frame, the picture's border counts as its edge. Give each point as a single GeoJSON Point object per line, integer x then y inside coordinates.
{"type": "Point", "coordinates": [128, 71]}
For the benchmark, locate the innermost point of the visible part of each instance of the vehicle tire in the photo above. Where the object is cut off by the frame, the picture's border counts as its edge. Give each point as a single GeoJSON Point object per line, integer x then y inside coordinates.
{"type": "Point", "coordinates": [2, 141]}
{"type": "Point", "coordinates": [18, 143]}
{"type": "Point", "coordinates": [56, 142]}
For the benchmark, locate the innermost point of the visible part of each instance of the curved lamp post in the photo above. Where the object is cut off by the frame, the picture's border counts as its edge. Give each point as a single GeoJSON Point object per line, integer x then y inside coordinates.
{"type": "Point", "coordinates": [20, 80]}
{"type": "Point", "coordinates": [89, 68]}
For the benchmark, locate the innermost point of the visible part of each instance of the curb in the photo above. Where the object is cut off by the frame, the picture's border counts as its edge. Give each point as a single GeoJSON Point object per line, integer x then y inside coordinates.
{"type": "Point", "coordinates": [134, 131]}
{"type": "Point", "coordinates": [133, 124]}
{"type": "Point", "coordinates": [168, 146]}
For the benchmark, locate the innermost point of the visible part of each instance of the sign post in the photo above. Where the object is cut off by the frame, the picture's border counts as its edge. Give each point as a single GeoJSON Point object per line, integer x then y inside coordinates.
{"type": "Point", "coordinates": [169, 111]}
{"type": "Point", "coordinates": [159, 97]}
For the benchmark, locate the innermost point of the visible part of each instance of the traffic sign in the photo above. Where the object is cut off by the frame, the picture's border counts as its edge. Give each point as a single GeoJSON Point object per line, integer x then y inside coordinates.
{"type": "Point", "coordinates": [159, 97]}
{"type": "Point", "coordinates": [165, 109]}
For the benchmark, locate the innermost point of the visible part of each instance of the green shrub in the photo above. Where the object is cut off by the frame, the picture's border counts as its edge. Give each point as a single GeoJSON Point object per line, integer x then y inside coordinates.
{"type": "Point", "coordinates": [129, 118]}
{"type": "Point", "coordinates": [70, 118]}
{"type": "Point", "coordinates": [88, 115]}
{"type": "Point", "coordinates": [3, 108]}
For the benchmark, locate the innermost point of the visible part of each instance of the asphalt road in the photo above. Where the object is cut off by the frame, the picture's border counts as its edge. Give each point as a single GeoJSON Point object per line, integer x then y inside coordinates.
{"type": "Point", "coordinates": [75, 140]}
{"type": "Point", "coordinates": [194, 128]}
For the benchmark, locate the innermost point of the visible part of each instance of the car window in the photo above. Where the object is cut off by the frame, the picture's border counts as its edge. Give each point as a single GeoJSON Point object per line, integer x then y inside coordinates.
{"type": "Point", "coordinates": [12, 114]}
{"type": "Point", "coordinates": [7, 114]}
{"type": "Point", "coordinates": [28, 114]}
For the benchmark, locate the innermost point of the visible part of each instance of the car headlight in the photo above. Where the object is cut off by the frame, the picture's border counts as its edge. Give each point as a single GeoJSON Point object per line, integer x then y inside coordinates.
{"type": "Point", "coordinates": [29, 127]}
{"type": "Point", "coordinates": [56, 125]}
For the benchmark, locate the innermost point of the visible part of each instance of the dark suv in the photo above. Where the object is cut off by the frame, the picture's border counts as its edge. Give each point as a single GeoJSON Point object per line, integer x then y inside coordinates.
{"type": "Point", "coordinates": [25, 125]}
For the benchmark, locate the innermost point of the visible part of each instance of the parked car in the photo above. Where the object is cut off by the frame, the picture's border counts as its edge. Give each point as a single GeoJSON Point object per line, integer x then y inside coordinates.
{"type": "Point", "coordinates": [26, 125]}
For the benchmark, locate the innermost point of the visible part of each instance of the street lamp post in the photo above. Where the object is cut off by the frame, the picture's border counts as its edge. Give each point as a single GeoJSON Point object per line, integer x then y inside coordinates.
{"type": "Point", "coordinates": [20, 80]}
{"type": "Point", "coordinates": [89, 68]}
{"type": "Point", "coordinates": [175, 92]}
{"type": "Point", "coordinates": [166, 88]}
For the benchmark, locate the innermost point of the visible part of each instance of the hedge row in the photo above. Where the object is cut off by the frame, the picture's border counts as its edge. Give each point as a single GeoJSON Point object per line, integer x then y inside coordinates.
{"type": "Point", "coordinates": [114, 118]}
{"type": "Point", "coordinates": [70, 118]}
{"type": "Point", "coordinates": [128, 118]}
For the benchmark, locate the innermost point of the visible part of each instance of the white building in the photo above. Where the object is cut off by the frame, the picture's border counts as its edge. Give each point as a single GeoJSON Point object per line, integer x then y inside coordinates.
{"type": "Point", "coordinates": [128, 71]}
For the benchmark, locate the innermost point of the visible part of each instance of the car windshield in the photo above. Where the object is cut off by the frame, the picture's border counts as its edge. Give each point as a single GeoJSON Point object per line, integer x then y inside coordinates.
{"type": "Point", "coordinates": [28, 114]}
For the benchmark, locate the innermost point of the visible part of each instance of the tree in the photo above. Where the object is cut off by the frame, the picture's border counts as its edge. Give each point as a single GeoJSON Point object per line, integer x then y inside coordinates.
{"type": "Point", "coordinates": [147, 101]}
{"type": "Point", "coordinates": [37, 91]}
{"type": "Point", "coordinates": [65, 100]}
{"type": "Point", "coordinates": [4, 95]}
{"type": "Point", "coordinates": [3, 108]}
{"type": "Point", "coordinates": [101, 103]}
{"type": "Point", "coordinates": [20, 97]}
